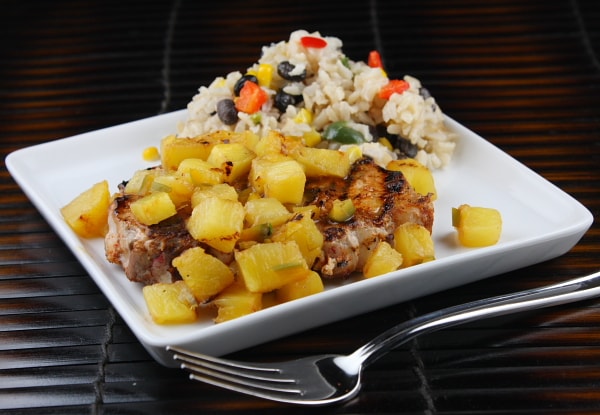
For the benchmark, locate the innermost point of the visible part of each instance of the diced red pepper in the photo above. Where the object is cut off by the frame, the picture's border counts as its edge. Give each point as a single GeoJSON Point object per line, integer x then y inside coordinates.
{"type": "Point", "coordinates": [375, 60]}
{"type": "Point", "coordinates": [313, 42]}
{"type": "Point", "coordinates": [395, 86]}
{"type": "Point", "coordinates": [251, 98]}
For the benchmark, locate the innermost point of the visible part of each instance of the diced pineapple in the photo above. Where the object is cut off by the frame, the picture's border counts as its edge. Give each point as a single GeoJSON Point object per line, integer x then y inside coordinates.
{"type": "Point", "coordinates": [176, 149]}
{"type": "Point", "coordinates": [303, 230]}
{"type": "Point", "coordinates": [269, 266]}
{"type": "Point", "coordinates": [322, 161]}
{"type": "Point", "coordinates": [312, 284]}
{"type": "Point", "coordinates": [256, 233]}
{"type": "Point", "coordinates": [266, 210]}
{"type": "Point", "coordinates": [415, 244]}
{"type": "Point", "coordinates": [170, 303]}
{"type": "Point", "coordinates": [282, 179]}
{"type": "Point", "coordinates": [382, 260]}
{"type": "Point", "coordinates": [222, 190]}
{"type": "Point", "coordinates": [217, 222]}
{"type": "Point", "coordinates": [177, 186]}
{"type": "Point", "coordinates": [87, 214]}
{"type": "Point", "coordinates": [276, 143]}
{"type": "Point", "coordinates": [141, 182]}
{"type": "Point", "coordinates": [236, 301]}
{"type": "Point", "coordinates": [311, 138]}
{"type": "Point", "coordinates": [477, 226]}
{"type": "Point", "coordinates": [203, 273]}
{"type": "Point", "coordinates": [153, 208]}
{"type": "Point", "coordinates": [233, 159]}
{"type": "Point", "coordinates": [201, 171]}
{"type": "Point", "coordinates": [417, 175]}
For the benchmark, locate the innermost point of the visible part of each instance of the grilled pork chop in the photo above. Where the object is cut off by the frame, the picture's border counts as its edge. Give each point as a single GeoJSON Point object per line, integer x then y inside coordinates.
{"type": "Point", "coordinates": [145, 252]}
{"type": "Point", "coordinates": [383, 200]}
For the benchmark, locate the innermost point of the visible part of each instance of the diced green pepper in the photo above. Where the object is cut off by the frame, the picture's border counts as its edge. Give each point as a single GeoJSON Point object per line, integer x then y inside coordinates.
{"type": "Point", "coordinates": [340, 132]}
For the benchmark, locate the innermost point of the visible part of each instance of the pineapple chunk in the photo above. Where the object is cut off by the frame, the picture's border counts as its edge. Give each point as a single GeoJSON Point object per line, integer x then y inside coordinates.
{"type": "Point", "coordinates": [221, 190]}
{"type": "Point", "coordinates": [382, 260]}
{"type": "Point", "coordinates": [415, 244]}
{"type": "Point", "coordinates": [87, 214]}
{"type": "Point", "coordinates": [417, 175]}
{"type": "Point", "coordinates": [217, 222]}
{"type": "Point", "coordinates": [176, 149]}
{"type": "Point", "coordinates": [283, 179]}
{"type": "Point", "coordinates": [477, 226]}
{"type": "Point", "coordinates": [200, 171]}
{"type": "Point", "coordinates": [170, 303]}
{"type": "Point", "coordinates": [266, 210]}
{"type": "Point", "coordinates": [276, 143]}
{"type": "Point", "coordinates": [322, 161]}
{"type": "Point", "coordinates": [303, 230]}
{"type": "Point", "coordinates": [269, 266]}
{"type": "Point", "coordinates": [233, 159]}
{"type": "Point", "coordinates": [236, 301]}
{"type": "Point", "coordinates": [312, 284]}
{"type": "Point", "coordinates": [203, 273]}
{"type": "Point", "coordinates": [153, 208]}
{"type": "Point", "coordinates": [177, 186]}
{"type": "Point", "coordinates": [141, 182]}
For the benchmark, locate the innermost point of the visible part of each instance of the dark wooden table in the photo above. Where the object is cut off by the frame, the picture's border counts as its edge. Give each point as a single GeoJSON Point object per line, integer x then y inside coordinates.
{"type": "Point", "coordinates": [524, 75]}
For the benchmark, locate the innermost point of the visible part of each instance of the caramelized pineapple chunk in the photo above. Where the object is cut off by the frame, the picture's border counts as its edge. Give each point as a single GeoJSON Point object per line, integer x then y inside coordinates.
{"type": "Point", "coordinates": [175, 149]}
{"type": "Point", "coordinates": [236, 301]}
{"type": "Point", "coordinates": [153, 208]}
{"type": "Point", "coordinates": [266, 210]}
{"type": "Point", "coordinates": [204, 274]}
{"type": "Point", "coordinates": [87, 214]}
{"type": "Point", "coordinates": [382, 260]}
{"type": "Point", "coordinates": [477, 226]}
{"type": "Point", "coordinates": [322, 162]}
{"type": "Point", "coordinates": [234, 159]}
{"type": "Point", "coordinates": [170, 303]}
{"type": "Point", "coordinates": [417, 174]}
{"type": "Point", "coordinates": [269, 266]}
{"type": "Point", "coordinates": [282, 179]}
{"type": "Point", "coordinates": [415, 244]}
{"type": "Point", "coordinates": [312, 284]}
{"type": "Point", "coordinates": [302, 230]}
{"type": "Point", "coordinates": [217, 222]}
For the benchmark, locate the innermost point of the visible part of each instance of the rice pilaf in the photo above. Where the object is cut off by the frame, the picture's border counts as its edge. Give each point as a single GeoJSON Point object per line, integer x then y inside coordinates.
{"type": "Point", "coordinates": [319, 87]}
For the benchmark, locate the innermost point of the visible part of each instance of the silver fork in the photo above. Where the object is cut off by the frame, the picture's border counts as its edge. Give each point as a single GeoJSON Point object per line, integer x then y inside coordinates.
{"type": "Point", "coordinates": [326, 379]}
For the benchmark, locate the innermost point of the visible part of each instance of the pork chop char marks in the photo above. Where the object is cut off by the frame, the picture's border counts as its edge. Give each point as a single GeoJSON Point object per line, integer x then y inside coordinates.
{"type": "Point", "coordinates": [383, 200]}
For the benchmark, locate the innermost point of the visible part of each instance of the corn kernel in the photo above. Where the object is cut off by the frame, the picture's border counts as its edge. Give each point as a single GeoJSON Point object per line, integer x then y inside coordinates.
{"type": "Point", "coordinates": [150, 154]}
{"type": "Point", "coordinates": [264, 74]}
{"type": "Point", "coordinates": [304, 116]}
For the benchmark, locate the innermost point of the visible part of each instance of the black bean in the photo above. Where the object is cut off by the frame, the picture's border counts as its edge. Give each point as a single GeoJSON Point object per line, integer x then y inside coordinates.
{"type": "Point", "coordinates": [285, 68]}
{"type": "Point", "coordinates": [407, 147]}
{"type": "Point", "coordinates": [240, 83]}
{"type": "Point", "coordinates": [283, 99]}
{"type": "Point", "coordinates": [227, 112]}
{"type": "Point", "coordinates": [424, 92]}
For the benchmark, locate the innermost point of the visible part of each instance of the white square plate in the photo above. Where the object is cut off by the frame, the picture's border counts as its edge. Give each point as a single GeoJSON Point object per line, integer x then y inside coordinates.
{"type": "Point", "coordinates": [540, 222]}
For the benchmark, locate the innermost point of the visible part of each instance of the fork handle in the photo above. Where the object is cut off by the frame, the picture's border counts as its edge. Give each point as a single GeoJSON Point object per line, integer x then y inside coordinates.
{"type": "Point", "coordinates": [577, 289]}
